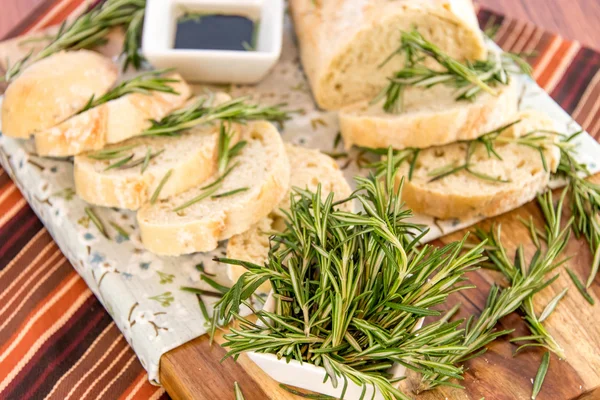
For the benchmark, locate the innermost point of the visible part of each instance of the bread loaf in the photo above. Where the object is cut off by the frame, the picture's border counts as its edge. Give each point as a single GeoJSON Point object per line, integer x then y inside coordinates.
{"type": "Point", "coordinates": [262, 169]}
{"type": "Point", "coordinates": [430, 117]}
{"type": "Point", "coordinates": [53, 89]}
{"type": "Point", "coordinates": [308, 169]}
{"type": "Point", "coordinates": [463, 195]}
{"type": "Point", "coordinates": [111, 122]}
{"type": "Point", "coordinates": [343, 43]}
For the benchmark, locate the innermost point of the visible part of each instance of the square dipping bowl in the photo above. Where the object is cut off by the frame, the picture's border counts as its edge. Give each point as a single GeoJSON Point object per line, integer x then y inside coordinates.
{"type": "Point", "coordinates": [213, 66]}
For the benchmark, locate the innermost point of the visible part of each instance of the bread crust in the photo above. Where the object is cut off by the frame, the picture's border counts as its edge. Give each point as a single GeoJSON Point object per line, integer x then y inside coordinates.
{"type": "Point", "coordinates": [203, 234]}
{"type": "Point", "coordinates": [111, 122]}
{"type": "Point", "coordinates": [343, 42]}
{"type": "Point", "coordinates": [421, 128]}
{"type": "Point", "coordinates": [53, 89]}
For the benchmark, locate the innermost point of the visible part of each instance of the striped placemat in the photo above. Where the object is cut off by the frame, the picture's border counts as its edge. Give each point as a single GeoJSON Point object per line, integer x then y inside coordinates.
{"type": "Point", "coordinates": [56, 340]}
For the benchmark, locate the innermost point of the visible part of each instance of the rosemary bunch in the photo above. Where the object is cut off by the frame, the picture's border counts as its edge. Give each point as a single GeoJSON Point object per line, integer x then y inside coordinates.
{"type": "Point", "coordinates": [145, 83]}
{"type": "Point", "coordinates": [351, 289]}
{"type": "Point", "coordinates": [470, 78]}
{"type": "Point", "coordinates": [91, 29]}
{"type": "Point", "coordinates": [203, 112]}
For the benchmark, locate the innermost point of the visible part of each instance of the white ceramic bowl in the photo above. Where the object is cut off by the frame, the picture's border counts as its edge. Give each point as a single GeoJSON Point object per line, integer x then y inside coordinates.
{"type": "Point", "coordinates": [310, 377]}
{"type": "Point", "coordinates": [213, 66]}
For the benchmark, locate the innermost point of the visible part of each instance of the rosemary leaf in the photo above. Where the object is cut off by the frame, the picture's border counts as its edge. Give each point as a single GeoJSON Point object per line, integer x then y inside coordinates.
{"type": "Point", "coordinates": [580, 287]}
{"type": "Point", "coordinates": [120, 163]}
{"type": "Point", "coordinates": [552, 305]}
{"type": "Point", "coordinates": [120, 230]}
{"type": "Point", "coordinates": [214, 284]}
{"type": "Point", "coordinates": [312, 396]}
{"type": "Point", "coordinates": [200, 291]}
{"type": "Point", "coordinates": [200, 197]}
{"type": "Point", "coordinates": [147, 158]}
{"type": "Point", "coordinates": [229, 193]}
{"type": "Point", "coordinates": [238, 392]}
{"type": "Point", "coordinates": [160, 186]}
{"type": "Point", "coordinates": [110, 153]}
{"type": "Point", "coordinates": [541, 374]}
{"type": "Point", "coordinates": [96, 221]}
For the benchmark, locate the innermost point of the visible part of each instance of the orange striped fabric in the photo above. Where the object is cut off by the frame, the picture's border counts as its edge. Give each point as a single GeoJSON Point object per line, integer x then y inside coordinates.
{"type": "Point", "coordinates": [56, 340]}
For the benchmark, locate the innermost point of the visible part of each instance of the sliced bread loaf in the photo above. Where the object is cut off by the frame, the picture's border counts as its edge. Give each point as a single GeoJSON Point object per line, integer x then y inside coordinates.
{"type": "Point", "coordinates": [111, 122]}
{"type": "Point", "coordinates": [189, 159]}
{"type": "Point", "coordinates": [430, 117]}
{"type": "Point", "coordinates": [462, 194]}
{"type": "Point", "coordinates": [308, 169]}
{"type": "Point", "coordinates": [53, 89]}
{"type": "Point", "coordinates": [344, 42]}
{"type": "Point", "coordinates": [196, 220]}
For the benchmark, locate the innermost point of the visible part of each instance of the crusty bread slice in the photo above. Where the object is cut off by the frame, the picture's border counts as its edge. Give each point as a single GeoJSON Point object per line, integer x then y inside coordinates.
{"type": "Point", "coordinates": [262, 167]}
{"type": "Point", "coordinates": [53, 89]}
{"type": "Point", "coordinates": [111, 122]}
{"type": "Point", "coordinates": [308, 169]}
{"type": "Point", "coordinates": [463, 195]}
{"type": "Point", "coordinates": [430, 117]}
{"type": "Point", "coordinates": [344, 42]}
{"type": "Point", "coordinates": [191, 158]}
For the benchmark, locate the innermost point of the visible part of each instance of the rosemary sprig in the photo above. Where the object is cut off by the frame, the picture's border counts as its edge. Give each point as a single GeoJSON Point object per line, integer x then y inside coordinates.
{"type": "Point", "coordinates": [349, 290]}
{"type": "Point", "coordinates": [238, 391]}
{"type": "Point", "coordinates": [145, 83]}
{"type": "Point", "coordinates": [202, 112]}
{"type": "Point", "coordinates": [203, 195]}
{"type": "Point", "coordinates": [584, 199]}
{"type": "Point", "coordinates": [133, 38]}
{"type": "Point", "coordinates": [225, 151]}
{"type": "Point", "coordinates": [471, 78]}
{"type": "Point", "coordinates": [110, 153]}
{"type": "Point", "coordinates": [90, 30]}
{"type": "Point", "coordinates": [160, 186]}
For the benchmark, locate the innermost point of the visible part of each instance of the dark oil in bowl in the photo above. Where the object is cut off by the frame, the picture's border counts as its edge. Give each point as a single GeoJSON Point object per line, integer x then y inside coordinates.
{"type": "Point", "coordinates": [215, 32]}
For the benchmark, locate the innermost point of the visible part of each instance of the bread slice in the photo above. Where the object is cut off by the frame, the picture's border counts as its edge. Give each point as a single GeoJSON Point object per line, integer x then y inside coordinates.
{"type": "Point", "coordinates": [430, 117]}
{"type": "Point", "coordinates": [191, 157]}
{"type": "Point", "coordinates": [462, 195]}
{"type": "Point", "coordinates": [111, 122]}
{"type": "Point", "coordinates": [309, 168]}
{"type": "Point", "coordinates": [51, 90]}
{"type": "Point", "coordinates": [344, 42]}
{"type": "Point", "coordinates": [262, 167]}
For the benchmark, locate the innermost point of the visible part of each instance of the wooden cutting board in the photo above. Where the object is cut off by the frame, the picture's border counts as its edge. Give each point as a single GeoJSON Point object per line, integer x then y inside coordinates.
{"type": "Point", "coordinates": [193, 371]}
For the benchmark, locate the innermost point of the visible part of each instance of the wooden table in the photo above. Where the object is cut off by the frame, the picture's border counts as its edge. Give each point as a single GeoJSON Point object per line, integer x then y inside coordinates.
{"type": "Point", "coordinates": [193, 370]}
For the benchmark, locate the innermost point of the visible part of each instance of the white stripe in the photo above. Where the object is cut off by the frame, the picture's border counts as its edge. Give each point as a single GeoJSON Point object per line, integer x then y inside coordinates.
{"type": "Point", "coordinates": [541, 67]}
{"type": "Point", "coordinates": [11, 213]}
{"type": "Point", "coordinates": [104, 356]}
{"type": "Point", "coordinates": [117, 376]}
{"type": "Point", "coordinates": [81, 359]}
{"type": "Point", "coordinates": [562, 67]}
{"type": "Point", "coordinates": [533, 43]}
{"type": "Point", "coordinates": [514, 35]}
{"type": "Point", "coordinates": [136, 389]}
{"type": "Point", "coordinates": [112, 364]}
{"type": "Point", "coordinates": [47, 334]}
{"type": "Point", "coordinates": [20, 253]}
{"type": "Point", "coordinates": [582, 102]}
{"type": "Point", "coordinates": [26, 273]}
{"type": "Point", "coordinates": [23, 300]}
